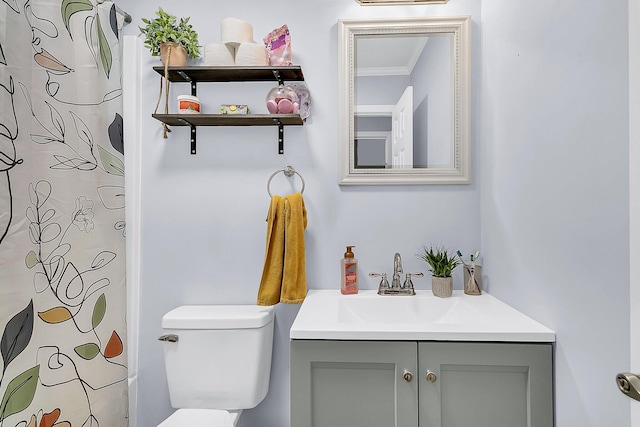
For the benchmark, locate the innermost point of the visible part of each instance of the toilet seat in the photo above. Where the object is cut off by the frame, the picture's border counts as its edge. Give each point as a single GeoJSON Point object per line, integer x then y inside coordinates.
{"type": "Point", "coordinates": [201, 417]}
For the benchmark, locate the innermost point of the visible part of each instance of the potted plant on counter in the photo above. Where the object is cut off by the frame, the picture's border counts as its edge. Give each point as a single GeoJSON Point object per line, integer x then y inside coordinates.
{"type": "Point", "coordinates": [173, 40]}
{"type": "Point", "coordinates": [441, 264]}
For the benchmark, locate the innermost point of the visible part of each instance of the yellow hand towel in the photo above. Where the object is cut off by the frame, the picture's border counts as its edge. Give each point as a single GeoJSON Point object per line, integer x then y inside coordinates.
{"type": "Point", "coordinates": [271, 282]}
{"type": "Point", "coordinates": [294, 280]}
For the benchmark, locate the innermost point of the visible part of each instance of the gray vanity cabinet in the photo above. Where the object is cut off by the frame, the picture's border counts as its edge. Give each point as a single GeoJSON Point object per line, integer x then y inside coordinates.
{"type": "Point", "coordinates": [485, 384]}
{"type": "Point", "coordinates": [352, 384]}
{"type": "Point", "coordinates": [384, 384]}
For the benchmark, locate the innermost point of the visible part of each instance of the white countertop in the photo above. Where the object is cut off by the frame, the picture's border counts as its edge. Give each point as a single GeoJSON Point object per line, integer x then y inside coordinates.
{"type": "Point", "coordinates": [327, 314]}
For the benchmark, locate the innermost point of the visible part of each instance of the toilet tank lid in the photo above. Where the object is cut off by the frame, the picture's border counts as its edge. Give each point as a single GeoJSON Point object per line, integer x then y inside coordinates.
{"type": "Point", "coordinates": [217, 317]}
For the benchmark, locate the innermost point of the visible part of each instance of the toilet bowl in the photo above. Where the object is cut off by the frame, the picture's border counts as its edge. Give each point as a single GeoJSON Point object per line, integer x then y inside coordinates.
{"type": "Point", "coordinates": [218, 362]}
{"type": "Point", "coordinates": [202, 417]}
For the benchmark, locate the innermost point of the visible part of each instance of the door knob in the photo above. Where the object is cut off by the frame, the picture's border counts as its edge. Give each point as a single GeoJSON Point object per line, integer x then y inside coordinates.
{"type": "Point", "coordinates": [407, 376]}
{"type": "Point", "coordinates": [431, 376]}
{"type": "Point", "coordinates": [629, 384]}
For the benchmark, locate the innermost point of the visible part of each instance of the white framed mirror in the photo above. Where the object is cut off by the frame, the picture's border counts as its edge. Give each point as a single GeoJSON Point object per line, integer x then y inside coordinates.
{"type": "Point", "coordinates": [404, 95]}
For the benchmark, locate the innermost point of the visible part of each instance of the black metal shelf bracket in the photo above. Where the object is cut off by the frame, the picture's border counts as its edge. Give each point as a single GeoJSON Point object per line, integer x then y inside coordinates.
{"type": "Point", "coordinates": [194, 92]}
{"type": "Point", "coordinates": [193, 134]}
{"type": "Point", "coordinates": [278, 77]}
{"type": "Point", "coordinates": [193, 139]}
{"type": "Point", "coordinates": [280, 136]}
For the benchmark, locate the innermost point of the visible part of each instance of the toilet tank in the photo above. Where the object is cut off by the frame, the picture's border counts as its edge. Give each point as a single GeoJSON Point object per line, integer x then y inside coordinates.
{"type": "Point", "coordinates": [218, 356]}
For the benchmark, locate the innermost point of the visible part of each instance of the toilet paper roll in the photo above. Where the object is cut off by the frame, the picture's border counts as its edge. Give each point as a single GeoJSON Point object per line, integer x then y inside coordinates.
{"type": "Point", "coordinates": [218, 54]}
{"type": "Point", "coordinates": [252, 54]}
{"type": "Point", "coordinates": [235, 31]}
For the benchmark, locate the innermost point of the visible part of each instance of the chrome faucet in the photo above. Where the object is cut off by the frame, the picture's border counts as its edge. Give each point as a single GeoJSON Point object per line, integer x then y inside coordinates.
{"type": "Point", "coordinates": [396, 287]}
{"type": "Point", "coordinates": [397, 271]}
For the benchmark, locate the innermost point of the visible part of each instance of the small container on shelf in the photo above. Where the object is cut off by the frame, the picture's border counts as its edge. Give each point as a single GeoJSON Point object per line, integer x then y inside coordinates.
{"type": "Point", "coordinates": [188, 104]}
{"type": "Point", "coordinates": [234, 109]}
{"type": "Point", "coordinates": [282, 100]}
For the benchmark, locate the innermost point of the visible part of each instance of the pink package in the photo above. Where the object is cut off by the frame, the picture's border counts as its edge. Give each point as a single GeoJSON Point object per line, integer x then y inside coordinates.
{"type": "Point", "coordinates": [278, 43]}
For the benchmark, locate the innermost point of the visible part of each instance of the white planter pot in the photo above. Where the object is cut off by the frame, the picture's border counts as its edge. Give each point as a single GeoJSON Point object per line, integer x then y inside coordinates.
{"type": "Point", "coordinates": [442, 286]}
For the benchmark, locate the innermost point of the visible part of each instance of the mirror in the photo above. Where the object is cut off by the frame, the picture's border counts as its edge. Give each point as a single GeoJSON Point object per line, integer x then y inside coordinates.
{"type": "Point", "coordinates": [404, 113]}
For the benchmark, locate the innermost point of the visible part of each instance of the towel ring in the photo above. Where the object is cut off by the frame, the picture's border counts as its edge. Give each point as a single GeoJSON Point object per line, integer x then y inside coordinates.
{"type": "Point", "coordinates": [288, 171]}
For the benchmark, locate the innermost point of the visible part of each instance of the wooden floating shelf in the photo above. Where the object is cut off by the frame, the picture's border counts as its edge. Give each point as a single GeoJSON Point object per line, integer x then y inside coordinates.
{"type": "Point", "coordinates": [204, 73]}
{"type": "Point", "coordinates": [194, 120]}
{"type": "Point", "coordinates": [230, 119]}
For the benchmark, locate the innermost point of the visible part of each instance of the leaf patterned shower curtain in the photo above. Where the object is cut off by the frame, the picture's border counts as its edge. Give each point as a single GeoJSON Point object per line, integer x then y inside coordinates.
{"type": "Point", "coordinates": [62, 235]}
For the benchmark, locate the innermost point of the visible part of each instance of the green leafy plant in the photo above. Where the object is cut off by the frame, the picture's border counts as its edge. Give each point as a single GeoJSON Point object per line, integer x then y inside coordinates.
{"type": "Point", "coordinates": [166, 28]}
{"type": "Point", "coordinates": [440, 260]}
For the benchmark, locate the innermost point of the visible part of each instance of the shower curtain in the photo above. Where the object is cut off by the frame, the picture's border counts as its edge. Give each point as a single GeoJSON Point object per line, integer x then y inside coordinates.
{"type": "Point", "coordinates": [62, 230]}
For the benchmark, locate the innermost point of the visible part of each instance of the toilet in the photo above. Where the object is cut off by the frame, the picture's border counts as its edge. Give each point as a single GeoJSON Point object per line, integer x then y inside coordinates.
{"type": "Point", "coordinates": [218, 362]}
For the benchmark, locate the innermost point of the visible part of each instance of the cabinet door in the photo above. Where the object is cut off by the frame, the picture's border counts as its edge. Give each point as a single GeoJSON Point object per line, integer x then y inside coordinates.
{"type": "Point", "coordinates": [485, 385]}
{"type": "Point", "coordinates": [353, 384]}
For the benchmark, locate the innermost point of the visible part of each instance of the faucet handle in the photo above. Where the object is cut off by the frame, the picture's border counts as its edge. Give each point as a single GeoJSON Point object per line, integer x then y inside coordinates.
{"type": "Point", "coordinates": [408, 284]}
{"type": "Point", "coordinates": [384, 283]}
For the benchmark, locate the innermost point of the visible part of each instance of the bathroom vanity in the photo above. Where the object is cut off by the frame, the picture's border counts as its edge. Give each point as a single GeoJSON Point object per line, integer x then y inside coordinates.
{"type": "Point", "coordinates": [368, 360]}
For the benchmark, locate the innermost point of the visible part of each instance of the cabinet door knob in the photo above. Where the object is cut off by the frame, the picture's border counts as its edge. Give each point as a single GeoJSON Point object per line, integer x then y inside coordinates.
{"type": "Point", "coordinates": [407, 376]}
{"type": "Point", "coordinates": [431, 376]}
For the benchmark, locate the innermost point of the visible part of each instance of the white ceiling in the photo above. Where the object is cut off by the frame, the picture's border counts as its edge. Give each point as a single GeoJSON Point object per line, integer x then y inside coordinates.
{"type": "Point", "coordinates": [385, 55]}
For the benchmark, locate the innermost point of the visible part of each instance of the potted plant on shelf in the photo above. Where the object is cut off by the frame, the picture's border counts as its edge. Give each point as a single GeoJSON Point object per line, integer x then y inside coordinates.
{"type": "Point", "coordinates": [173, 40]}
{"type": "Point", "coordinates": [442, 264]}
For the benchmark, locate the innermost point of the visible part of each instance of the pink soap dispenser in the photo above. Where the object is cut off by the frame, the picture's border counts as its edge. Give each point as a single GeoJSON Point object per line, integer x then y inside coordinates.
{"type": "Point", "coordinates": [349, 267]}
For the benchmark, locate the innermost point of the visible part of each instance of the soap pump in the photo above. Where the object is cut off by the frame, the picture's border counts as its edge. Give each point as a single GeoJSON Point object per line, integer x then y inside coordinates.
{"type": "Point", "coordinates": [349, 267]}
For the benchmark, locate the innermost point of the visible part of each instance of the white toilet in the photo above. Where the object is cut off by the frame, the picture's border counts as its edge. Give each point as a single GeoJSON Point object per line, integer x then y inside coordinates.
{"type": "Point", "coordinates": [218, 362]}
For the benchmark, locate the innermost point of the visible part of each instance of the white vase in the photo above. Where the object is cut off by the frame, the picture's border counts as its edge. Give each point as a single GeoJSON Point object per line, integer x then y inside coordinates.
{"type": "Point", "coordinates": [442, 286]}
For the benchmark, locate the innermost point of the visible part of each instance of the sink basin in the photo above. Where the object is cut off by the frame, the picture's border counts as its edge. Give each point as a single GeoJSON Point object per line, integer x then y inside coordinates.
{"type": "Point", "coordinates": [327, 314]}
{"type": "Point", "coordinates": [372, 308]}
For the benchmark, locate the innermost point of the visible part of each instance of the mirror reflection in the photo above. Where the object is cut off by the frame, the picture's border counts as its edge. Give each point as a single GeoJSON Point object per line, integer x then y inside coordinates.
{"type": "Point", "coordinates": [409, 87]}
{"type": "Point", "coordinates": [407, 99]}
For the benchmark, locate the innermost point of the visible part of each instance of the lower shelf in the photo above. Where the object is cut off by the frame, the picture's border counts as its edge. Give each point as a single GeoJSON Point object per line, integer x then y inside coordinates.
{"type": "Point", "coordinates": [194, 120]}
{"type": "Point", "coordinates": [230, 119]}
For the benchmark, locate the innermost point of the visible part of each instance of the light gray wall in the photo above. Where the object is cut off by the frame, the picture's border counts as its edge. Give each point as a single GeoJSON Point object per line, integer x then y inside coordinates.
{"type": "Point", "coordinates": [380, 90]}
{"type": "Point", "coordinates": [203, 216]}
{"type": "Point", "coordinates": [555, 212]}
{"type": "Point", "coordinates": [432, 115]}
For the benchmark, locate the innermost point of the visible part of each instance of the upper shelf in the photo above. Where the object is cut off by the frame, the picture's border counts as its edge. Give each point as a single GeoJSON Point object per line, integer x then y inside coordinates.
{"type": "Point", "coordinates": [203, 73]}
